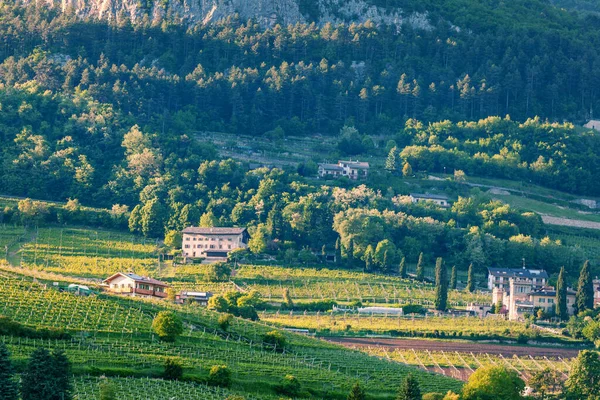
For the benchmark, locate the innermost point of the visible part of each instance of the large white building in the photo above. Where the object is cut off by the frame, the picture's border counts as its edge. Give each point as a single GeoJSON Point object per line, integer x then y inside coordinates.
{"type": "Point", "coordinates": [351, 169]}
{"type": "Point", "coordinates": [212, 243]}
{"type": "Point", "coordinates": [498, 278]}
{"type": "Point", "coordinates": [593, 124]}
{"type": "Point", "coordinates": [522, 298]}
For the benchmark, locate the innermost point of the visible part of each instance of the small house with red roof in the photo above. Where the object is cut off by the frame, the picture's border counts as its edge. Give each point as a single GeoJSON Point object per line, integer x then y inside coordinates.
{"type": "Point", "coordinates": [135, 285]}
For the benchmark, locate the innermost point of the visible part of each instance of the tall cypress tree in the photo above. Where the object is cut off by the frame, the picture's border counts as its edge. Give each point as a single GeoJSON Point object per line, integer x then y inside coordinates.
{"type": "Point", "coordinates": [338, 251]}
{"type": "Point", "coordinates": [350, 253]}
{"type": "Point", "coordinates": [584, 299]}
{"type": "Point", "coordinates": [453, 278]}
{"type": "Point", "coordinates": [420, 268]}
{"type": "Point", "coordinates": [368, 258]}
{"type": "Point", "coordinates": [402, 268]}
{"type": "Point", "coordinates": [390, 162]}
{"type": "Point", "coordinates": [470, 280]}
{"type": "Point", "coordinates": [441, 285]}
{"type": "Point", "coordinates": [385, 264]}
{"type": "Point", "coordinates": [561, 296]}
{"type": "Point", "coordinates": [8, 385]}
{"type": "Point", "coordinates": [410, 389]}
{"type": "Point", "coordinates": [36, 381]}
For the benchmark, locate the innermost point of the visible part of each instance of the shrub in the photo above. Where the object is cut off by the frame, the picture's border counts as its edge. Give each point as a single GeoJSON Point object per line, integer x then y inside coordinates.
{"type": "Point", "coordinates": [167, 326]}
{"type": "Point", "coordinates": [274, 339]}
{"type": "Point", "coordinates": [289, 386]}
{"type": "Point", "coordinates": [413, 309]}
{"type": "Point", "coordinates": [218, 272]}
{"type": "Point", "coordinates": [219, 375]}
{"type": "Point", "coordinates": [173, 370]}
{"type": "Point", "coordinates": [225, 321]}
{"type": "Point", "coordinates": [107, 391]}
{"type": "Point", "coordinates": [433, 396]}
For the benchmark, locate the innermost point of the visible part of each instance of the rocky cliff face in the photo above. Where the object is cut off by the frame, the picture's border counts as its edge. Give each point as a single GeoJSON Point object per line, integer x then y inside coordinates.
{"type": "Point", "coordinates": [266, 12]}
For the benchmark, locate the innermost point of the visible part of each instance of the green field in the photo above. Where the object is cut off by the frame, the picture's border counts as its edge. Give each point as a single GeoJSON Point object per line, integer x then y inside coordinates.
{"type": "Point", "coordinates": [540, 207]}
{"type": "Point", "coordinates": [112, 336]}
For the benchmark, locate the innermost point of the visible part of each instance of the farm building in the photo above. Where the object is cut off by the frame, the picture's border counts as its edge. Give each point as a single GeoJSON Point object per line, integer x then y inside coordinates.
{"type": "Point", "coordinates": [351, 169]}
{"type": "Point", "coordinates": [136, 285]}
{"type": "Point", "coordinates": [498, 278]}
{"type": "Point", "coordinates": [596, 292]}
{"type": "Point", "coordinates": [213, 244]}
{"type": "Point", "coordinates": [440, 200]}
{"type": "Point", "coordinates": [200, 298]}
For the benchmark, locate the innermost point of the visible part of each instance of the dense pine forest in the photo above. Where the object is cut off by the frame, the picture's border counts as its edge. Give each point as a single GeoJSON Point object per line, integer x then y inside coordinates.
{"type": "Point", "coordinates": [108, 114]}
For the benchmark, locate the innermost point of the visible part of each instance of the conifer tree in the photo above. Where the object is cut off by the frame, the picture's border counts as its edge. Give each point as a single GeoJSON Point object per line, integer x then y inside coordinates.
{"type": "Point", "coordinates": [390, 162]}
{"type": "Point", "coordinates": [584, 299]}
{"type": "Point", "coordinates": [338, 251]}
{"type": "Point", "coordinates": [453, 278]}
{"type": "Point", "coordinates": [62, 375]}
{"type": "Point", "coordinates": [368, 258]}
{"type": "Point", "coordinates": [385, 262]}
{"type": "Point", "coordinates": [409, 390]}
{"type": "Point", "coordinates": [350, 253]}
{"type": "Point", "coordinates": [441, 285]}
{"type": "Point", "coordinates": [420, 268]}
{"type": "Point", "coordinates": [402, 268]}
{"type": "Point", "coordinates": [561, 296]}
{"type": "Point", "coordinates": [8, 384]}
{"type": "Point", "coordinates": [357, 393]}
{"type": "Point", "coordinates": [470, 280]}
{"type": "Point", "coordinates": [47, 377]}
{"type": "Point", "coordinates": [287, 299]}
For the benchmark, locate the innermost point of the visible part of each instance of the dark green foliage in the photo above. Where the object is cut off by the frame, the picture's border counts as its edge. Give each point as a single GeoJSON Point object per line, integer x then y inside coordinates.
{"type": "Point", "coordinates": [420, 274]}
{"type": "Point", "coordinates": [584, 376]}
{"type": "Point", "coordinates": [338, 251]}
{"type": "Point", "coordinates": [289, 386]}
{"type": "Point", "coordinates": [409, 390]}
{"type": "Point", "coordinates": [219, 375]}
{"type": "Point", "coordinates": [224, 321]}
{"type": "Point", "coordinates": [470, 279]}
{"type": "Point", "coordinates": [8, 384]}
{"type": "Point", "coordinates": [414, 309]}
{"type": "Point", "coordinates": [357, 393]}
{"type": "Point", "coordinates": [275, 340]}
{"type": "Point", "coordinates": [441, 285]}
{"type": "Point", "coordinates": [288, 303]}
{"type": "Point", "coordinates": [402, 268]}
{"type": "Point", "coordinates": [167, 325]}
{"type": "Point", "coordinates": [218, 272]}
{"type": "Point", "coordinates": [561, 296]}
{"type": "Point", "coordinates": [584, 299]}
{"type": "Point", "coordinates": [173, 369]}
{"type": "Point", "coordinates": [9, 327]}
{"type": "Point", "coordinates": [453, 278]}
{"type": "Point", "coordinates": [47, 377]}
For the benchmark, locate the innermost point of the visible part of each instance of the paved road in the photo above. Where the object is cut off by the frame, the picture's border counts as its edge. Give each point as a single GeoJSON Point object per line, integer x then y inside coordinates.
{"type": "Point", "coordinates": [460, 346]}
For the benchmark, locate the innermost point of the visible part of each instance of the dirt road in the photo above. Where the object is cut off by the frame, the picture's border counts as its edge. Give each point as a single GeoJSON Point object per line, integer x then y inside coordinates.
{"type": "Point", "coordinates": [451, 346]}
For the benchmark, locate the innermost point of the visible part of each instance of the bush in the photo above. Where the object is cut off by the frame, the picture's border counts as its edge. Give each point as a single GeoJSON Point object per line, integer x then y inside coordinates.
{"type": "Point", "coordinates": [173, 370]}
{"type": "Point", "coordinates": [314, 306]}
{"type": "Point", "coordinates": [219, 375]}
{"type": "Point", "coordinates": [433, 396]}
{"type": "Point", "coordinates": [225, 321]}
{"type": "Point", "coordinates": [107, 391]}
{"type": "Point", "coordinates": [275, 339]}
{"type": "Point", "coordinates": [167, 326]}
{"type": "Point", "coordinates": [289, 386]}
{"type": "Point", "coordinates": [414, 309]}
{"type": "Point", "coordinates": [218, 272]}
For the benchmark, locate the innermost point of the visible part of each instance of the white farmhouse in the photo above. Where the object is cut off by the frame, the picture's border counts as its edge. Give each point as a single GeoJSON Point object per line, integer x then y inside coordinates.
{"type": "Point", "coordinates": [440, 200]}
{"type": "Point", "coordinates": [212, 243]}
{"type": "Point", "coordinates": [593, 124]}
{"type": "Point", "coordinates": [351, 169]}
{"type": "Point", "coordinates": [135, 285]}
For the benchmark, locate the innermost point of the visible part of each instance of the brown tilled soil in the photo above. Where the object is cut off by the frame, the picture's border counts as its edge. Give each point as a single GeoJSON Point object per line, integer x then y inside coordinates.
{"type": "Point", "coordinates": [451, 346]}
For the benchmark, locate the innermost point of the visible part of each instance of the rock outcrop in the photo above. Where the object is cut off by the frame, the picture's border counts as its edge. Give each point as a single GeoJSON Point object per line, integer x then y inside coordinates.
{"type": "Point", "coordinates": [266, 12]}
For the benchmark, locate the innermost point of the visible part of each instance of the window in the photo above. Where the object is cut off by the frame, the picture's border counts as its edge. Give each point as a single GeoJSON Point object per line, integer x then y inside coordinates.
{"type": "Point", "coordinates": [542, 300]}
{"type": "Point", "coordinates": [194, 239]}
{"type": "Point", "coordinates": [229, 239]}
{"type": "Point", "coordinates": [229, 246]}
{"type": "Point", "coordinates": [187, 238]}
{"type": "Point", "coordinates": [551, 301]}
{"type": "Point", "coordinates": [187, 246]}
{"type": "Point", "coordinates": [220, 246]}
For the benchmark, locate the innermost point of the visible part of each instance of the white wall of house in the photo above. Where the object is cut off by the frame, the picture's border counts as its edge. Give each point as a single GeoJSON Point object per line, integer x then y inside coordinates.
{"type": "Point", "coordinates": [195, 245]}
{"type": "Point", "coordinates": [121, 284]}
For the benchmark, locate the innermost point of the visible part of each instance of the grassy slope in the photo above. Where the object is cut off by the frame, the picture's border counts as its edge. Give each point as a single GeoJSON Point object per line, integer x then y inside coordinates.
{"type": "Point", "coordinates": [118, 340]}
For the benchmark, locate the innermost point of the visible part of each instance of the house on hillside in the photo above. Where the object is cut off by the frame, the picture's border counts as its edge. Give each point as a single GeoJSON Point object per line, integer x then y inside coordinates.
{"type": "Point", "coordinates": [351, 169]}
{"type": "Point", "coordinates": [596, 292]}
{"type": "Point", "coordinates": [593, 124]}
{"type": "Point", "coordinates": [523, 298]}
{"type": "Point", "coordinates": [212, 243]}
{"type": "Point", "coordinates": [438, 199]}
{"type": "Point", "coordinates": [200, 298]}
{"type": "Point", "coordinates": [135, 285]}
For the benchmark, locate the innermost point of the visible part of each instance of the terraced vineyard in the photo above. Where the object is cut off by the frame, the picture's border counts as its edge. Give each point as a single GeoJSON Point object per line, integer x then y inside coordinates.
{"type": "Point", "coordinates": [88, 253]}
{"type": "Point", "coordinates": [112, 335]}
{"type": "Point", "coordinates": [463, 365]}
